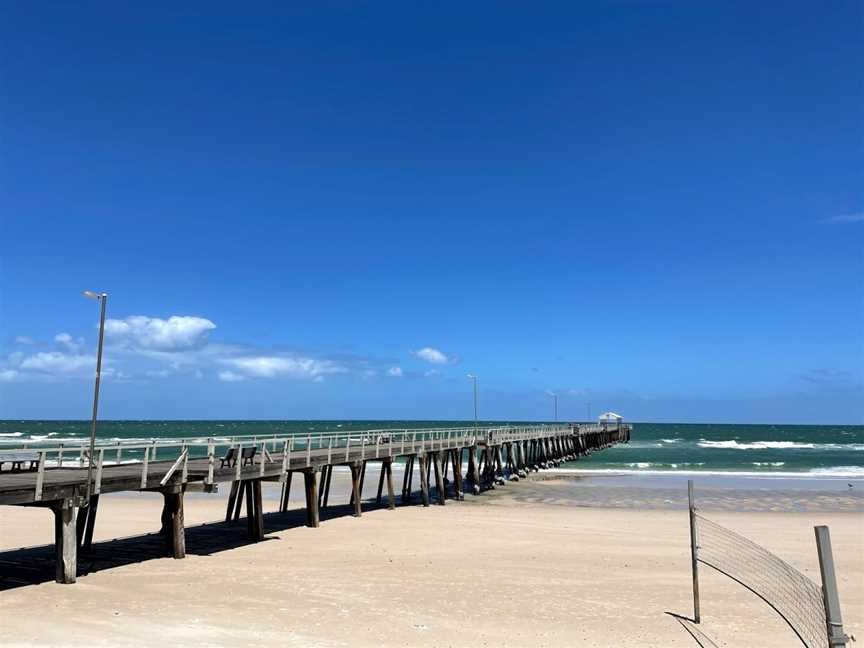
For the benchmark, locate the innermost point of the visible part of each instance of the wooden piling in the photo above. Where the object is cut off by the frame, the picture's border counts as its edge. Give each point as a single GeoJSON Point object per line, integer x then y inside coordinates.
{"type": "Point", "coordinates": [327, 476]}
{"type": "Point", "coordinates": [65, 541]}
{"type": "Point", "coordinates": [424, 479]}
{"type": "Point", "coordinates": [355, 489]}
{"type": "Point", "coordinates": [258, 508]}
{"type": "Point", "coordinates": [286, 492]}
{"type": "Point", "coordinates": [232, 498]}
{"type": "Point", "coordinates": [439, 481]}
{"type": "Point", "coordinates": [391, 496]}
{"type": "Point", "coordinates": [457, 473]}
{"type": "Point", "coordinates": [238, 504]}
{"type": "Point", "coordinates": [310, 479]}
{"type": "Point", "coordinates": [380, 484]}
{"type": "Point", "coordinates": [250, 508]}
{"type": "Point", "coordinates": [91, 523]}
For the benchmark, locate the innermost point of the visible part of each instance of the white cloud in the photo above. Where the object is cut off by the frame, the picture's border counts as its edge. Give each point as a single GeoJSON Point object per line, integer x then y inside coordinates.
{"type": "Point", "coordinates": [395, 372]}
{"type": "Point", "coordinates": [274, 366]}
{"type": "Point", "coordinates": [230, 376]}
{"type": "Point", "coordinates": [434, 356]}
{"type": "Point", "coordinates": [857, 217]}
{"type": "Point", "coordinates": [65, 340]}
{"type": "Point", "coordinates": [23, 339]}
{"type": "Point", "coordinates": [57, 362]}
{"type": "Point", "coordinates": [8, 375]}
{"type": "Point", "coordinates": [431, 372]}
{"type": "Point", "coordinates": [177, 333]}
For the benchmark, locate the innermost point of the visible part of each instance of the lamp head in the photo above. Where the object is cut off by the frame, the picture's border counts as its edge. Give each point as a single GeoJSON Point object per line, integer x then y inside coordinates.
{"type": "Point", "coordinates": [93, 295]}
{"type": "Point", "coordinates": [472, 376]}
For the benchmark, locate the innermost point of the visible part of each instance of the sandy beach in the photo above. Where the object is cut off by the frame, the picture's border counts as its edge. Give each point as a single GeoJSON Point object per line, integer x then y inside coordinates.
{"type": "Point", "coordinates": [526, 564]}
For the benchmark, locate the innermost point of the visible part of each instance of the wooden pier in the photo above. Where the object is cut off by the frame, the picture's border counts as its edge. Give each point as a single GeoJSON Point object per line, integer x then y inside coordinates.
{"type": "Point", "coordinates": [479, 457]}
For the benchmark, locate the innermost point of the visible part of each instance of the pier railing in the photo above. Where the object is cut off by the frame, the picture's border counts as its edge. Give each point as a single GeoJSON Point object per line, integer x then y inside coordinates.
{"type": "Point", "coordinates": [272, 452]}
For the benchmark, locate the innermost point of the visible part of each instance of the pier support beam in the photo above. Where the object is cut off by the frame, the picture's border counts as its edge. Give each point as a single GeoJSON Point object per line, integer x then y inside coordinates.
{"type": "Point", "coordinates": [65, 541]}
{"type": "Point", "coordinates": [439, 481]}
{"type": "Point", "coordinates": [473, 473]}
{"type": "Point", "coordinates": [310, 479]}
{"type": "Point", "coordinates": [85, 522]}
{"type": "Point", "coordinates": [173, 529]}
{"type": "Point", "coordinates": [407, 480]}
{"type": "Point", "coordinates": [286, 492]}
{"type": "Point", "coordinates": [355, 489]}
{"type": "Point", "coordinates": [424, 479]}
{"type": "Point", "coordinates": [391, 496]}
{"type": "Point", "coordinates": [232, 498]}
{"type": "Point", "coordinates": [257, 514]}
{"type": "Point", "coordinates": [457, 473]}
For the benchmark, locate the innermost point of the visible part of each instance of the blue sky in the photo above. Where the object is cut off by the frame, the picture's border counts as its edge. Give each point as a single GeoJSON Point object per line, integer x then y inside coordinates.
{"type": "Point", "coordinates": [337, 210]}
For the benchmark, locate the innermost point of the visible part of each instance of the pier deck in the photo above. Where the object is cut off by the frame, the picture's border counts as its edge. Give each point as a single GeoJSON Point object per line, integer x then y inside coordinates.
{"type": "Point", "coordinates": [172, 466]}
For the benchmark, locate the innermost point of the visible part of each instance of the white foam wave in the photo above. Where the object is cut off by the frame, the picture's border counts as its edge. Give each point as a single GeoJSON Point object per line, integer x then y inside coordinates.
{"type": "Point", "coordinates": [676, 440]}
{"type": "Point", "coordinates": [731, 444]}
{"type": "Point", "coordinates": [837, 472]}
{"type": "Point", "coordinates": [11, 434]}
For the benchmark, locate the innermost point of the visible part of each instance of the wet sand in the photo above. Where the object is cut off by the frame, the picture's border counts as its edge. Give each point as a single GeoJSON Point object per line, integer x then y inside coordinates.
{"type": "Point", "coordinates": [540, 562]}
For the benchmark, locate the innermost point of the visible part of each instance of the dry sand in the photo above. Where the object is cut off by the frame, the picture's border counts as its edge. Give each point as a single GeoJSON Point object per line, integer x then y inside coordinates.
{"type": "Point", "coordinates": [493, 570]}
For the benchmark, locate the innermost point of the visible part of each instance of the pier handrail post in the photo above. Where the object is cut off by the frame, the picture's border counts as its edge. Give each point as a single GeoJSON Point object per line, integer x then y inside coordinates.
{"type": "Point", "coordinates": [98, 485]}
{"type": "Point", "coordinates": [40, 476]}
{"type": "Point", "coordinates": [308, 449]}
{"type": "Point", "coordinates": [211, 458]}
{"type": "Point", "coordinates": [144, 467]}
{"type": "Point", "coordinates": [284, 460]}
{"type": "Point", "coordinates": [833, 618]}
{"type": "Point", "coordinates": [694, 556]}
{"type": "Point", "coordinates": [238, 461]}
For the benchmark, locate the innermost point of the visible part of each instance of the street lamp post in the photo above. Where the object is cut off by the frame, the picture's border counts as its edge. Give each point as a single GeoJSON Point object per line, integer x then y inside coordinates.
{"type": "Point", "coordinates": [474, 378]}
{"type": "Point", "coordinates": [555, 400]}
{"type": "Point", "coordinates": [102, 298]}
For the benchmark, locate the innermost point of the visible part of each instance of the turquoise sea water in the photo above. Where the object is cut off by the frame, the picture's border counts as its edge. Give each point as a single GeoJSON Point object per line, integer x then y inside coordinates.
{"type": "Point", "coordinates": [817, 450]}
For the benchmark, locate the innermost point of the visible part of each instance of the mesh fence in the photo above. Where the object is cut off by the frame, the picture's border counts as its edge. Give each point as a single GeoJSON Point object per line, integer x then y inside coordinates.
{"type": "Point", "coordinates": [795, 597]}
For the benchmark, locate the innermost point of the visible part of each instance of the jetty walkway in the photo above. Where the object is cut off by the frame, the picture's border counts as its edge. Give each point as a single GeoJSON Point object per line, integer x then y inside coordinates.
{"type": "Point", "coordinates": [56, 477]}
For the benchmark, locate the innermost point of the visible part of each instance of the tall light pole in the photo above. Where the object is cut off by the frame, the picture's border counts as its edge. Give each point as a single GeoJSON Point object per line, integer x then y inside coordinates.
{"type": "Point", "coordinates": [102, 298]}
{"type": "Point", "coordinates": [474, 378]}
{"type": "Point", "coordinates": [555, 400]}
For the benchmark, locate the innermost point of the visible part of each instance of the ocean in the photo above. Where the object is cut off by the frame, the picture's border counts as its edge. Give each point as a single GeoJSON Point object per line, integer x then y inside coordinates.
{"type": "Point", "coordinates": [775, 450]}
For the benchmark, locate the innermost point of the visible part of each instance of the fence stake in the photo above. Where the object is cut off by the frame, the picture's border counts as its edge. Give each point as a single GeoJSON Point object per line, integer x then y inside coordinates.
{"type": "Point", "coordinates": [836, 636]}
{"type": "Point", "coordinates": [693, 549]}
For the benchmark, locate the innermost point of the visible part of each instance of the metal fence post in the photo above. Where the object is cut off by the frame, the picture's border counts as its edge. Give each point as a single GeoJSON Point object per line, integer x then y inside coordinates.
{"type": "Point", "coordinates": [694, 556]}
{"type": "Point", "coordinates": [833, 619]}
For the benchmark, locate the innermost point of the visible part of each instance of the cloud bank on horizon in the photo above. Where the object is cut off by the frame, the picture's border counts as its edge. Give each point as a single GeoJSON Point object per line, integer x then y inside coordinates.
{"type": "Point", "coordinates": [140, 347]}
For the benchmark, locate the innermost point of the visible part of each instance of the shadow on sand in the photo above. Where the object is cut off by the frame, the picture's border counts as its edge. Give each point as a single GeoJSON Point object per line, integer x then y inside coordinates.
{"type": "Point", "coordinates": [34, 565]}
{"type": "Point", "coordinates": [693, 630]}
